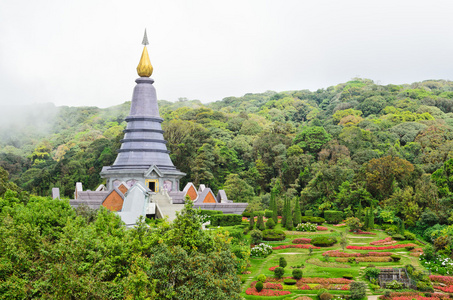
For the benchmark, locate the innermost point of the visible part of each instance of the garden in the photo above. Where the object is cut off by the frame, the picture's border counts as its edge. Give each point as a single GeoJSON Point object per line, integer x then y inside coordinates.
{"type": "Point", "coordinates": [318, 260]}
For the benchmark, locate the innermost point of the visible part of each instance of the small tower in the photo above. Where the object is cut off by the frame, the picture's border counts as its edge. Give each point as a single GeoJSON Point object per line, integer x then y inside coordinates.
{"type": "Point", "coordinates": [143, 156]}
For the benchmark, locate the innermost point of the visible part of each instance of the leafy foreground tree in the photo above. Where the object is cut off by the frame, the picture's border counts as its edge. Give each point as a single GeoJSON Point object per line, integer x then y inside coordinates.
{"type": "Point", "coordinates": [49, 250]}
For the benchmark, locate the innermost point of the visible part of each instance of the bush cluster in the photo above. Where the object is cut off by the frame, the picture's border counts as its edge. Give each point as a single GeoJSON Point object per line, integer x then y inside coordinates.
{"type": "Point", "coordinates": [273, 235]}
{"type": "Point", "coordinates": [317, 220]}
{"type": "Point", "coordinates": [226, 220]}
{"type": "Point", "coordinates": [323, 241]}
{"type": "Point", "coordinates": [306, 227]}
{"type": "Point", "coordinates": [290, 281]}
{"type": "Point", "coordinates": [333, 216]}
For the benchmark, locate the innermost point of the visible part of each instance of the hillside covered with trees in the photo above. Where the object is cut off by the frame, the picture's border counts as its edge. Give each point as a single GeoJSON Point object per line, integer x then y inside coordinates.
{"type": "Point", "coordinates": [343, 148]}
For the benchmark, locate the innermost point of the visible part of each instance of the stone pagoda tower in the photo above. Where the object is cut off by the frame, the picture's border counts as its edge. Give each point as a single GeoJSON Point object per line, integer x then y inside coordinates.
{"type": "Point", "coordinates": [143, 156]}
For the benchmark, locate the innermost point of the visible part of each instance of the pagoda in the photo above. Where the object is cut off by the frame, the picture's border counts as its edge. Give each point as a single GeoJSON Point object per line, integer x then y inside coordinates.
{"type": "Point", "coordinates": [143, 156]}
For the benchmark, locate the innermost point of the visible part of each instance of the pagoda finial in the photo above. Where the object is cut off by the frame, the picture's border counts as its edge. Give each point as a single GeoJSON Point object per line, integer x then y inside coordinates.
{"type": "Point", "coordinates": [144, 68]}
{"type": "Point", "coordinates": [145, 39]}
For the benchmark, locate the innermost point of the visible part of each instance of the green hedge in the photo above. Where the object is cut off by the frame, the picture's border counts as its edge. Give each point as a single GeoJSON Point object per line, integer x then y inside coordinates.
{"type": "Point", "coordinates": [317, 220]}
{"type": "Point", "coordinates": [333, 216]}
{"type": "Point", "coordinates": [268, 213]}
{"type": "Point", "coordinates": [323, 241]}
{"type": "Point", "coordinates": [226, 220]}
{"type": "Point", "coordinates": [309, 213]}
{"type": "Point", "coordinates": [273, 235]}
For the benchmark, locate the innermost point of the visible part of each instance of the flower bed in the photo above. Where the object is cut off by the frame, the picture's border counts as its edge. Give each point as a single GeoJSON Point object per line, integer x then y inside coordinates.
{"type": "Point", "coordinates": [261, 250]}
{"type": "Point", "coordinates": [322, 228]}
{"type": "Point", "coordinates": [268, 285]}
{"type": "Point", "coordinates": [294, 246]}
{"type": "Point", "coordinates": [272, 268]}
{"type": "Point", "coordinates": [386, 241]}
{"type": "Point", "coordinates": [337, 253]}
{"type": "Point", "coordinates": [340, 225]}
{"type": "Point", "coordinates": [266, 292]}
{"type": "Point", "coordinates": [363, 232]}
{"type": "Point", "coordinates": [379, 248]}
{"type": "Point", "coordinates": [446, 289]}
{"type": "Point", "coordinates": [301, 241]}
{"type": "Point", "coordinates": [366, 259]}
{"type": "Point", "coordinates": [442, 279]}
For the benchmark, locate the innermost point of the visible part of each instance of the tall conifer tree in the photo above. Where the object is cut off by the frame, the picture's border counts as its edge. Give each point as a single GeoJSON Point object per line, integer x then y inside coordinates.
{"type": "Point", "coordinates": [289, 216]}
{"type": "Point", "coordinates": [252, 221]}
{"type": "Point", "coordinates": [297, 213]}
{"type": "Point", "coordinates": [284, 213]}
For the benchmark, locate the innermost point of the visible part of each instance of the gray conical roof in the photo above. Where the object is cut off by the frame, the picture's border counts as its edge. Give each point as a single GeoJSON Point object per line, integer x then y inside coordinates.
{"type": "Point", "coordinates": [143, 144]}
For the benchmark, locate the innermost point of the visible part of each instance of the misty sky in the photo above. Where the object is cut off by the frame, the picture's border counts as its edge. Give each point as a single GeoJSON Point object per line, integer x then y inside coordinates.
{"type": "Point", "coordinates": [85, 52]}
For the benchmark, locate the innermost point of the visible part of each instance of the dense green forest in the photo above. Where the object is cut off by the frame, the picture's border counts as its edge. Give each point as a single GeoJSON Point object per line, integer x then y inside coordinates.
{"type": "Point", "coordinates": [344, 147]}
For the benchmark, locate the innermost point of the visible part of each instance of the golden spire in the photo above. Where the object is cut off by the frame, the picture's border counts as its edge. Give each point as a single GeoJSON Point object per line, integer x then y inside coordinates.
{"type": "Point", "coordinates": [144, 68]}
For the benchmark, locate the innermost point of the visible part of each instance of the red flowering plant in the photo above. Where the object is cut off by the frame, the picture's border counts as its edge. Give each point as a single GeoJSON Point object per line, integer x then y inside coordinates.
{"type": "Point", "coordinates": [337, 253]}
{"type": "Point", "coordinates": [301, 241]}
{"type": "Point", "coordinates": [379, 248]}
{"type": "Point", "coordinates": [266, 292]}
{"type": "Point", "coordinates": [273, 268]}
{"type": "Point", "coordinates": [362, 232]}
{"type": "Point", "coordinates": [274, 286]}
{"type": "Point", "coordinates": [386, 241]}
{"type": "Point", "coordinates": [304, 287]}
{"type": "Point", "coordinates": [294, 246]}
{"type": "Point", "coordinates": [442, 279]}
{"type": "Point", "coordinates": [322, 228]}
{"type": "Point", "coordinates": [446, 289]}
{"type": "Point", "coordinates": [325, 280]}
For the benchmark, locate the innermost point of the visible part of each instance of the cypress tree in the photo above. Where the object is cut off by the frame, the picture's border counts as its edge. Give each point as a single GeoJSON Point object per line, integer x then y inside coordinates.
{"type": "Point", "coordinates": [297, 213]}
{"type": "Point", "coordinates": [371, 222]}
{"type": "Point", "coordinates": [289, 216]}
{"type": "Point", "coordinates": [252, 221]}
{"type": "Point", "coordinates": [284, 213]}
{"type": "Point", "coordinates": [274, 192]}
{"type": "Point", "coordinates": [260, 223]}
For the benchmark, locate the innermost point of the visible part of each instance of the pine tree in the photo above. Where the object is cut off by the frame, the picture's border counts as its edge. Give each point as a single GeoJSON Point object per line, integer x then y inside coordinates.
{"type": "Point", "coordinates": [252, 221]}
{"type": "Point", "coordinates": [289, 216]}
{"type": "Point", "coordinates": [297, 213]}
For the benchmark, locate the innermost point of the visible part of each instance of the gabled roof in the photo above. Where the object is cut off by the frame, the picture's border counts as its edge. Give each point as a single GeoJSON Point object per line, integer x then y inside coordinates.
{"type": "Point", "coordinates": [201, 188]}
{"type": "Point", "coordinates": [151, 169]}
{"type": "Point", "coordinates": [201, 197]}
{"type": "Point", "coordinates": [222, 197]}
{"type": "Point", "coordinates": [190, 187]}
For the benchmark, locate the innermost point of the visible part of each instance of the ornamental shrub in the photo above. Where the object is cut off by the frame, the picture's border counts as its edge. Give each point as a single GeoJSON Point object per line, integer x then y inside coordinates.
{"type": "Point", "coordinates": [262, 278]}
{"type": "Point", "coordinates": [357, 289]}
{"type": "Point", "coordinates": [308, 213]}
{"type": "Point", "coordinates": [348, 276]}
{"type": "Point", "coordinates": [306, 227]}
{"type": "Point", "coordinates": [279, 272]}
{"type": "Point", "coordinates": [268, 213]}
{"type": "Point", "coordinates": [394, 285]}
{"type": "Point", "coordinates": [372, 273]}
{"type": "Point", "coordinates": [245, 214]}
{"type": "Point", "coordinates": [409, 235]}
{"type": "Point", "coordinates": [270, 224]}
{"type": "Point", "coordinates": [290, 281]}
{"type": "Point", "coordinates": [256, 236]}
{"type": "Point", "coordinates": [317, 220]}
{"type": "Point", "coordinates": [321, 291]}
{"type": "Point", "coordinates": [297, 273]}
{"type": "Point", "coordinates": [260, 223]}
{"type": "Point", "coordinates": [259, 286]}
{"type": "Point", "coordinates": [226, 220]}
{"type": "Point", "coordinates": [326, 296]}
{"type": "Point", "coordinates": [273, 235]}
{"type": "Point", "coordinates": [282, 262]}
{"type": "Point", "coordinates": [323, 241]}
{"type": "Point", "coordinates": [261, 250]}
{"type": "Point", "coordinates": [395, 258]}
{"type": "Point", "coordinates": [398, 237]}
{"type": "Point", "coordinates": [333, 216]}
